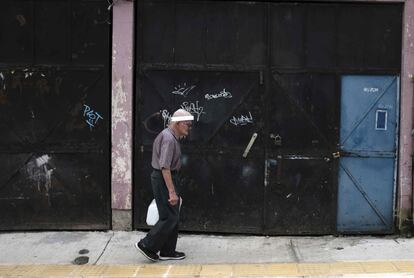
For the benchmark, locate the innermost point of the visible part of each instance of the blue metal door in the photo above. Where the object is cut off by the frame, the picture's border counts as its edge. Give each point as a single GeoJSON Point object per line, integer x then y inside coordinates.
{"type": "Point", "coordinates": [369, 115]}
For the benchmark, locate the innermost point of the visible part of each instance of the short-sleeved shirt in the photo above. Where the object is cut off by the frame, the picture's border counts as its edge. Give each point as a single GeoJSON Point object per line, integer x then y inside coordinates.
{"type": "Point", "coordinates": [166, 151]}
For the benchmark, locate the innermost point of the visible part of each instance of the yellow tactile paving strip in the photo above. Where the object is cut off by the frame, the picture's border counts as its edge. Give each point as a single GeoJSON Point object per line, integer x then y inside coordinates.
{"type": "Point", "coordinates": [209, 270]}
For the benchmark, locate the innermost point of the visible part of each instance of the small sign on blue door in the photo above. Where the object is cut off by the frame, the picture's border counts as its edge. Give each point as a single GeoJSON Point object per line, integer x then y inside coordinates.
{"type": "Point", "coordinates": [381, 120]}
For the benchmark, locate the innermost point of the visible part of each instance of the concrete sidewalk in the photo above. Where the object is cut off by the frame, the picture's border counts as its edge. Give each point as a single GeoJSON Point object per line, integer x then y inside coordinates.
{"type": "Point", "coordinates": [116, 248]}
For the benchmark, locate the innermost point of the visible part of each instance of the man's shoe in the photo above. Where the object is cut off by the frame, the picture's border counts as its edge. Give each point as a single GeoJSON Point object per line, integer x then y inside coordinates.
{"type": "Point", "coordinates": [146, 252]}
{"type": "Point", "coordinates": [174, 256]}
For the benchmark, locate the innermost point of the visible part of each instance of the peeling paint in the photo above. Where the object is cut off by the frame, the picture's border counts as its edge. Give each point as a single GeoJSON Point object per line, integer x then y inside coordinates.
{"type": "Point", "coordinates": [39, 172]}
{"type": "Point", "coordinates": [120, 165]}
{"type": "Point", "coordinates": [21, 19]}
{"type": "Point", "coordinates": [2, 83]}
{"type": "Point", "coordinates": [121, 153]}
{"type": "Point", "coordinates": [40, 161]}
{"type": "Point", "coordinates": [128, 201]}
{"type": "Point", "coordinates": [122, 147]}
{"type": "Point", "coordinates": [122, 107]}
{"type": "Point", "coordinates": [119, 113]}
{"type": "Point", "coordinates": [115, 198]}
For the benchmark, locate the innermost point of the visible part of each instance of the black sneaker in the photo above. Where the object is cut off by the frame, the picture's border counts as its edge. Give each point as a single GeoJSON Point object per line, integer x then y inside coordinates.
{"type": "Point", "coordinates": [146, 252]}
{"type": "Point", "coordinates": [174, 256]}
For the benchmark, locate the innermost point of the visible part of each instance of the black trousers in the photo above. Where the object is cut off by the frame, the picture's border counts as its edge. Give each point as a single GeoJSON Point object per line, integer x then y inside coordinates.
{"type": "Point", "coordinates": [163, 236]}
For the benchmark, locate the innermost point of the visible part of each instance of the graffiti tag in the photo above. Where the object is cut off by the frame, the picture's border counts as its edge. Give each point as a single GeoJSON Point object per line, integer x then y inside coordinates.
{"type": "Point", "coordinates": [242, 120]}
{"type": "Point", "coordinates": [222, 94]}
{"type": "Point", "coordinates": [371, 90]}
{"type": "Point", "coordinates": [92, 117]}
{"type": "Point", "coordinates": [166, 116]}
{"type": "Point", "coordinates": [182, 90]}
{"type": "Point", "coordinates": [193, 108]}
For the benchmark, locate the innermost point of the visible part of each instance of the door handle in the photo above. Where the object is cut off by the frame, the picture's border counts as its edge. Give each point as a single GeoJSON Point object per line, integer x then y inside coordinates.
{"type": "Point", "coordinates": [249, 146]}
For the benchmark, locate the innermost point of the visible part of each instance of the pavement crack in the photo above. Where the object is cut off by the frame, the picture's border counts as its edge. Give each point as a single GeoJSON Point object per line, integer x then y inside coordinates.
{"type": "Point", "coordinates": [103, 251]}
{"type": "Point", "coordinates": [294, 252]}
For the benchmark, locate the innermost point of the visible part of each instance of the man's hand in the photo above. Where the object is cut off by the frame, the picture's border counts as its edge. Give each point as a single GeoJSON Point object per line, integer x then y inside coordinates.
{"type": "Point", "coordinates": [173, 200]}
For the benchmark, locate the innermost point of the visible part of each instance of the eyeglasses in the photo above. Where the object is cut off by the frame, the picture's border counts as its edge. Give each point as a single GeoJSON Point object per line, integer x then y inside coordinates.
{"type": "Point", "coordinates": [189, 125]}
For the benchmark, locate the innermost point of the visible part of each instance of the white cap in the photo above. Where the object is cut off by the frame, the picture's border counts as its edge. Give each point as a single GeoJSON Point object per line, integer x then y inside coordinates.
{"type": "Point", "coordinates": [182, 118]}
{"type": "Point", "coordinates": [182, 115]}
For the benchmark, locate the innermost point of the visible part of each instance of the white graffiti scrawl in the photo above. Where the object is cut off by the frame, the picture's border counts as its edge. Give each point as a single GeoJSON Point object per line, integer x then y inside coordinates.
{"type": "Point", "coordinates": [194, 109]}
{"type": "Point", "coordinates": [223, 94]}
{"type": "Point", "coordinates": [242, 120]}
{"type": "Point", "coordinates": [166, 116]}
{"type": "Point", "coordinates": [182, 90]}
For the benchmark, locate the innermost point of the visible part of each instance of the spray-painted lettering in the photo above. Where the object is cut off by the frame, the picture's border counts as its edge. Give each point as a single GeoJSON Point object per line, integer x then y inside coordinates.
{"type": "Point", "coordinates": [182, 90]}
{"type": "Point", "coordinates": [193, 108]}
{"type": "Point", "coordinates": [92, 117]}
{"type": "Point", "coordinates": [166, 116]}
{"type": "Point", "coordinates": [242, 120]}
{"type": "Point", "coordinates": [371, 90]}
{"type": "Point", "coordinates": [222, 94]}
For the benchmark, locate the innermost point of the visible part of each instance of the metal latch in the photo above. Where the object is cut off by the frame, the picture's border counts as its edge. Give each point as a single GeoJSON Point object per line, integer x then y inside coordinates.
{"type": "Point", "coordinates": [249, 146]}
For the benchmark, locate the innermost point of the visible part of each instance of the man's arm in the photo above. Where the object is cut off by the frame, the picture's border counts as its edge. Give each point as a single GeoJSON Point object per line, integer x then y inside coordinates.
{"type": "Point", "coordinates": [166, 174]}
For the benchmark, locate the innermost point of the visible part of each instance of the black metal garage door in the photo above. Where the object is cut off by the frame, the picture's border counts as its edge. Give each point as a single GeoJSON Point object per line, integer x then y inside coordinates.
{"type": "Point", "coordinates": [261, 73]}
{"type": "Point", "coordinates": [54, 115]}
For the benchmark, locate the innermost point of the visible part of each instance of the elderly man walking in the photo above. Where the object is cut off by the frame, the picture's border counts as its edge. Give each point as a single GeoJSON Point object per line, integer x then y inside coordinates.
{"type": "Point", "coordinates": [165, 181]}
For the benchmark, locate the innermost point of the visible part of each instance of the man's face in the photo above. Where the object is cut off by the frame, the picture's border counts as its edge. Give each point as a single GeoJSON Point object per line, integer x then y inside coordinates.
{"type": "Point", "coordinates": [184, 127]}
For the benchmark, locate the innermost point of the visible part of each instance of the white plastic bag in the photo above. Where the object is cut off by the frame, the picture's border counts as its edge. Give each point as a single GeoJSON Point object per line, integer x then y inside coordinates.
{"type": "Point", "coordinates": [152, 213]}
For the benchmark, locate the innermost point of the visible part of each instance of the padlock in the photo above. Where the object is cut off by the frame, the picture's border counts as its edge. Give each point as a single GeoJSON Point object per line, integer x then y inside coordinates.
{"type": "Point", "coordinates": [277, 139]}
